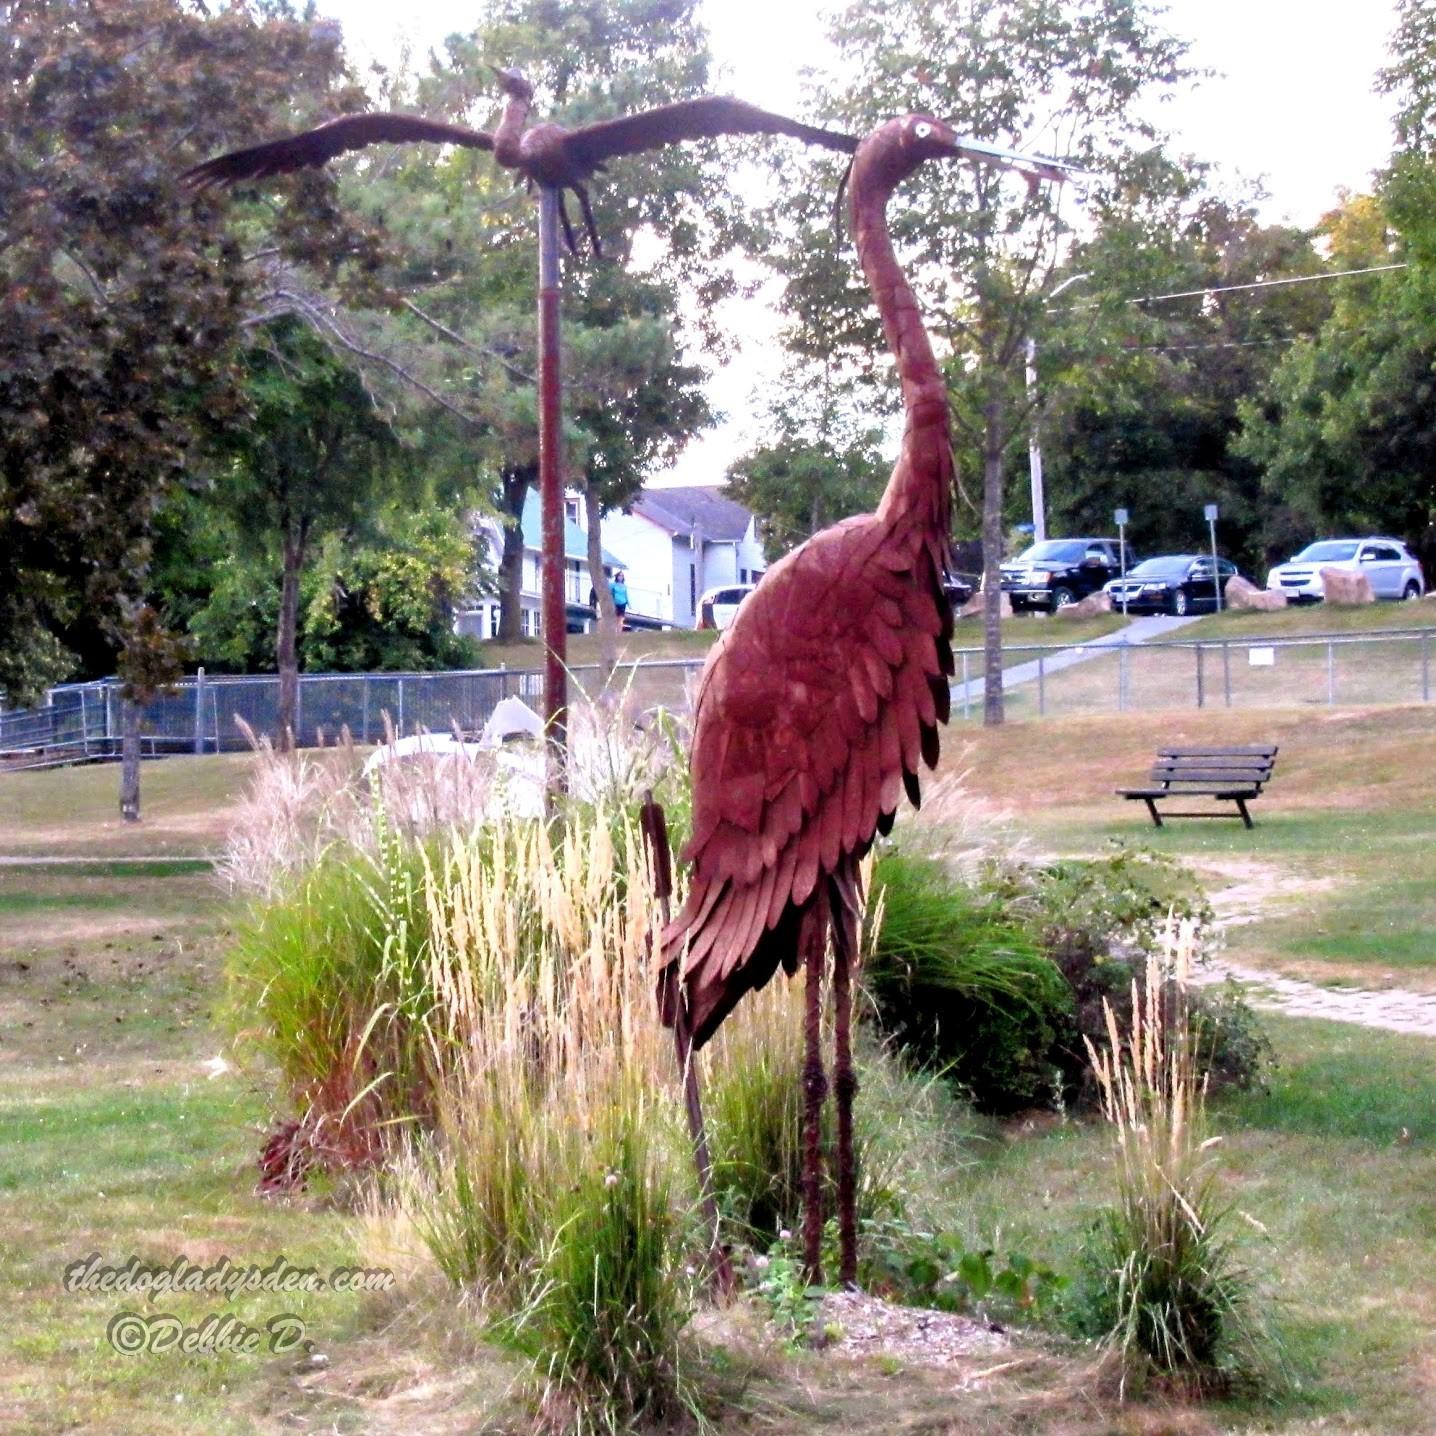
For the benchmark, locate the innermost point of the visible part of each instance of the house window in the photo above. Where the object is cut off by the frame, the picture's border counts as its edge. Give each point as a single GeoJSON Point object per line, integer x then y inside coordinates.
{"type": "Point", "coordinates": [493, 620]}
{"type": "Point", "coordinates": [570, 509]}
{"type": "Point", "coordinates": [742, 575]}
{"type": "Point", "coordinates": [693, 590]}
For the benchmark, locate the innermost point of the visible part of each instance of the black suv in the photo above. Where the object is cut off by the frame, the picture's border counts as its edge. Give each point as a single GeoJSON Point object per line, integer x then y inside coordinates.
{"type": "Point", "coordinates": [1056, 572]}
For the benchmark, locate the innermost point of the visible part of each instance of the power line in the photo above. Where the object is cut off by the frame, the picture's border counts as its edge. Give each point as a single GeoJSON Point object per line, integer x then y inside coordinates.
{"type": "Point", "coordinates": [1259, 284]}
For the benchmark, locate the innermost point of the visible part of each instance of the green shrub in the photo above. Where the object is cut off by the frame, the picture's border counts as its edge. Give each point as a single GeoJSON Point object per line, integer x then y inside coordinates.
{"type": "Point", "coordinates": [962, 988]}
{"type": "Point", "coordinates": [999, 982]}
{"type": "Point", "coordinates": [326, 980]}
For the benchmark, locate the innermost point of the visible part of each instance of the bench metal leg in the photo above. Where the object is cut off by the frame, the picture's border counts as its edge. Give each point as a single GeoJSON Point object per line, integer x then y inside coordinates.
{"type": "Point", "coordinates": [1152, 809]}
{"type": "Point", "coordinates": [1246, 816]}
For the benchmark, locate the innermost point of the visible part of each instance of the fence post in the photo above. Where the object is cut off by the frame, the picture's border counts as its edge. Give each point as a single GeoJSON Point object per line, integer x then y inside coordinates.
{"type": "Point", "coordinates": [1330, 672]}
{"type": "Point", "coordinates": [1041, 685]}
{"type": "Point", "coordinates": [1201, 687]}
{"type": "Point", "coordinates": [109, 712]}
{"type": "Point", "coordinates": [1227, 672]}
{"type": "Point", "coordinates": [199, 710]}
{"type": "Point", "coordinates": [364, 711]}
{"type": "Point", "coordinates": [399, 731]}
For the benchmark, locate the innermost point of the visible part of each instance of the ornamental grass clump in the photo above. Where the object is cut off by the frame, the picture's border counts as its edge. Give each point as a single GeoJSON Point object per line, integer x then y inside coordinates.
{"type": "Point", "coordinates": [553, 1182]}
{"type": "Point", "coordinates": [1165, 1287]}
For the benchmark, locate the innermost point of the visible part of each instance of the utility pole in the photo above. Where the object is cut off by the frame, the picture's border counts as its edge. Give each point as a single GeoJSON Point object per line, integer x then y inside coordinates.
{"type": "Point", "coordinates": [553, 607]}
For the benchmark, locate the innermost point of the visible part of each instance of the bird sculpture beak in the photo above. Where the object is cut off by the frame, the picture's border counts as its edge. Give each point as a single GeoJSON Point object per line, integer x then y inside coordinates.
{"type": "Point", "coordinates": [1030, 167]}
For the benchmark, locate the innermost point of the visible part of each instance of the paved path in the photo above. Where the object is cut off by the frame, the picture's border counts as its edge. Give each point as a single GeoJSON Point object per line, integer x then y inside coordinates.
{"type": "Point", "coordinates": [1139, 630]}
{"type": "Point", "coordinates": [1390, 1009]}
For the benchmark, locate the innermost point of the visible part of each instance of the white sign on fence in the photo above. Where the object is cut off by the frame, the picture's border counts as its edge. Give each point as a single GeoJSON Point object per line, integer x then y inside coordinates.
{"type": "Point", "coordinates": [1261, 657]}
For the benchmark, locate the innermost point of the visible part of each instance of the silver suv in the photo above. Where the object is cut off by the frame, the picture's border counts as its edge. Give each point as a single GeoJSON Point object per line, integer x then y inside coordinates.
{"type": "Point", "coordinates": [1387, 563]}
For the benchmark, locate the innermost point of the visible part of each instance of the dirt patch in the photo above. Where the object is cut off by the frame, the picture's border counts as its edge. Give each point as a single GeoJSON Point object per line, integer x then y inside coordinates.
{"type": "Point", "coordinates": [1251, 890]}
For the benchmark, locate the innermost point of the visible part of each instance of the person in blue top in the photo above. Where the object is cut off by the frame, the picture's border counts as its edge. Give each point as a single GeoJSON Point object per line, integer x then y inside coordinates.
{"type": "Point", "coordinates": [619, 589]}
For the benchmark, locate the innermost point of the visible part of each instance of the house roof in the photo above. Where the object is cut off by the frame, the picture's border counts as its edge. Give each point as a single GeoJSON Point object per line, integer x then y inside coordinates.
{"type": "Point", "coordinates": [681, 510]}
{"type": "Point", "coordinates": [575, 540]}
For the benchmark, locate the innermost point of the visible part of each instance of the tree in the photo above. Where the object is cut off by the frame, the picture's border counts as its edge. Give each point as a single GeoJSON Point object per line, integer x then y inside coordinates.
{"type": "Point", "coordinates": [313, 461]}
{"type": "Point", "coordinates": [119, 305]}
{"type": "Point", "coordinates": [1142, 401]}
{"type": "Point", "coordinates": [1345, 434]}
{"type": "Point", "coordinates": [816, 468]}
{"type": "Point", "coordinates": [1072, 81]}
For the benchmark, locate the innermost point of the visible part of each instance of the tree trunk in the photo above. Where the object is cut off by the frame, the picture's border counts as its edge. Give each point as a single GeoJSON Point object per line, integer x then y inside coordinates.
{"type": "Point", "coordinates": [603, 595]}
{"type": "Point", "coordinates": [130, 715]}
{"type": "Point", "coordinates": [516, 484]}
{"type": "Point", "coordinates": [992, 446]}
{"type": "Point", "coordinates": [286, 646]}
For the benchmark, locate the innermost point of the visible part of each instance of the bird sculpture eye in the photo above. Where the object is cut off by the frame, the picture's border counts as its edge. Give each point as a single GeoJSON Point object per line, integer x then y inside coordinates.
{"type": "Point", "coordinates": [922, 129]}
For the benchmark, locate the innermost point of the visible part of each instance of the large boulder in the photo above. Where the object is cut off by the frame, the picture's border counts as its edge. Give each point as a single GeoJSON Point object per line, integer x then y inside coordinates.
{"type": "Point", "coordinates": [1340, 585]}
{"type": "Point", "coordinates": [974, 605]}
{"type": "Point", "coordinates": [1094, 603]}
{"type": "Point", "coordinates": [1240, 593]}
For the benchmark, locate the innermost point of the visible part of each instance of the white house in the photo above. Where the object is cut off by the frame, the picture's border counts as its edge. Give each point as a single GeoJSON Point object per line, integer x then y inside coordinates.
{"type": "Point", "coordinates": [675, 543]}
{"type": "Point", "coordinates": [480, 616]}
{"type": "Point", "coordinates": [670, 544]}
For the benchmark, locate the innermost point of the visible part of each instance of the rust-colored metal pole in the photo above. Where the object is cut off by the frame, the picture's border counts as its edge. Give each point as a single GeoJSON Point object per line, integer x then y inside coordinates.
{"type": "Point", "coordinates": [554, 608]}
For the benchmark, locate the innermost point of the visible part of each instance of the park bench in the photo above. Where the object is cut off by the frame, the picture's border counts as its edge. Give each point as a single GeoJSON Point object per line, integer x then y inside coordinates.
{"type": "Point", "coordinates": [1234, 775]}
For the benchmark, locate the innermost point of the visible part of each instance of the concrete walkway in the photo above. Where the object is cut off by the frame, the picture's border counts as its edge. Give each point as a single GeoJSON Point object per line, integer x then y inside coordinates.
{"type": "Point", "coordinates": [1390, 1009]}
{"type": "Point", "coordinates": [1139, 630]}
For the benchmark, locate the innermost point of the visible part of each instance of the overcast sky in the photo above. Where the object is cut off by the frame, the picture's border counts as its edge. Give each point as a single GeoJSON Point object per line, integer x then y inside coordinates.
{"type": "Point", "coordinates": [1291, 104]}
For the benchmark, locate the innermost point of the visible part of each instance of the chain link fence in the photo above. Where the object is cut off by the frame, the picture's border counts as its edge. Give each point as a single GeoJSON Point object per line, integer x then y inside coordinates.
{"type": "Point", "coordinates": [203, 714]}
{"type": "Point", "coordinates": [211, 714]}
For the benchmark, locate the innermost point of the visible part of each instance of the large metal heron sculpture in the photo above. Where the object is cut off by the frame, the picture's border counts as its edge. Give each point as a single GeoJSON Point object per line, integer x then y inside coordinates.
{"type": "Point", "coordinates": [555, 159]}
{"type": "Point", "coordinates": [818, 707]}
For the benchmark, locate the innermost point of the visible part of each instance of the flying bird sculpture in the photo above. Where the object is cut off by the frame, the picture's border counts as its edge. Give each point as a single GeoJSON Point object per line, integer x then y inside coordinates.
{"type": "Point", "coordinates": [545, 154]}
{"type": "Point", "coordinates": [819, 706]}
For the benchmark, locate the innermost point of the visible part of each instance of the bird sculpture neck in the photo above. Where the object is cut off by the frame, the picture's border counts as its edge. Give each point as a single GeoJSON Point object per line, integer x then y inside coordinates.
{"type": "Point", "coordinates": [921, 484]}
{"type": "Point", "coordinates": [509, 134]}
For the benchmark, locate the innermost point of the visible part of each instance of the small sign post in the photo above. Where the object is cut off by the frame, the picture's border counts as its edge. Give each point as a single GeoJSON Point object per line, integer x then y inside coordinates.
{"type": "Point", "coordinates": [1120, 517]}
{"type": "Point", "coordinates": [1211, 515]}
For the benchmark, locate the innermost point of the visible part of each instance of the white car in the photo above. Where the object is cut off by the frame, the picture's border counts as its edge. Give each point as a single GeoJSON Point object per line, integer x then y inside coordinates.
{"type": "Point", "coordinates": [1388, 564]}
{"type": "Point", "coordinates": [718, 606]}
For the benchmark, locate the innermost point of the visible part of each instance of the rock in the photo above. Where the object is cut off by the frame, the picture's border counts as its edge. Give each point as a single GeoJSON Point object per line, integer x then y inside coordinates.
{"type": "Point", "coordinates": [1340, 585]}
{"type": "Point", "coordinates": [974, 605]}
{"type": "Point", "coordinates": [1239, 593]}
{"type": "Point", "coordinates": [1094, 603]}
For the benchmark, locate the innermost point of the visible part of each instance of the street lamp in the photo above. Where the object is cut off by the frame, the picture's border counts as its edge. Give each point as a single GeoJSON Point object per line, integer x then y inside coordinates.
{"type": "Point", "coordinates": [1034, 442]}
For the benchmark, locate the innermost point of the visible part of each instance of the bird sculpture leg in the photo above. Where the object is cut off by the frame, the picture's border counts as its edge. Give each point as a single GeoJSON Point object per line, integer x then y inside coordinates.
{"type": "Point", "coordinates": [588, 219]}
{"type": "Point", "coordinates": [843, 891]}
{"type": "Point", "coordinates": [568, 235]}
{"type": "Point", "coordinates": [815, 1091]}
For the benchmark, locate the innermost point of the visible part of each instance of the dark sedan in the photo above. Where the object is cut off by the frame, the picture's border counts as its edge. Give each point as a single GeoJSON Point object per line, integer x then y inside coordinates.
{"type": "Point", "coordinates": [1176, 583]}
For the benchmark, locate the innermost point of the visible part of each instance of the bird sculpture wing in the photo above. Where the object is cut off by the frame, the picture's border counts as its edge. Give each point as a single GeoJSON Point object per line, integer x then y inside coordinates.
{"type": "Point", "coordinates": [320, 145]}
{"type": "Point", "coordinates": [816, 710]}
{"type": "Point", "coordinates": [699, 119]}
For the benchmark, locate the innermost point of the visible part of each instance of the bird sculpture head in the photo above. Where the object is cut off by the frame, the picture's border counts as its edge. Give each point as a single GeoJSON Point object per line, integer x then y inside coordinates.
{"type": "Point", "coordinates": [514, 85]}
{"type": "Point", "coordinates": [894, 150]}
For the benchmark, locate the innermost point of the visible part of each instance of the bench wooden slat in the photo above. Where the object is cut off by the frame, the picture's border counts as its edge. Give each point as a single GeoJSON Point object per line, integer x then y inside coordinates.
{"type": "Point", "coordinates": [1235, 750]}
{"type": "Point", "coordinates": [1233, 773]}
{"type": "Point", "coordinates": [1211, 775]}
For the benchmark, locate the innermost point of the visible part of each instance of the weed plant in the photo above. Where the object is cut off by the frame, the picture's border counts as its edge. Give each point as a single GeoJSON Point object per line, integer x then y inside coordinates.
{"type": "Point", "coordinates": [1164, 1284]}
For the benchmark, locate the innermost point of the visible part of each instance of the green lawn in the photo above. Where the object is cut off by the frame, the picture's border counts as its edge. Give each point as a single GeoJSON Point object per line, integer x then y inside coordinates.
{"type": "Point", "coordinates": [1337, 1165]}
{"type": "Point", "coordinates": [115, 1137]}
